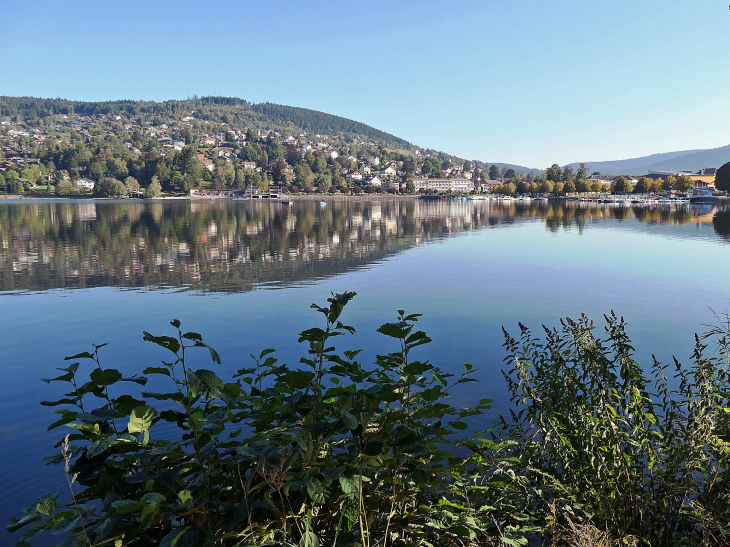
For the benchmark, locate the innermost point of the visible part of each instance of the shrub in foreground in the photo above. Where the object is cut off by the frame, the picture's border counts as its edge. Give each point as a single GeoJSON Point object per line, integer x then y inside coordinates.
{"type": "Point", "coordinates": [330, 453]}
{"type": "Point", "coordinates": [642, 457]}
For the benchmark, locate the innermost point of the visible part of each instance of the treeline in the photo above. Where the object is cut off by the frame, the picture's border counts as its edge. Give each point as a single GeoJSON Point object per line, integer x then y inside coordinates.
{"type": "Point", "coordinates": [557, 181]}
{"type": "Point", "coordinates": [237, 113]}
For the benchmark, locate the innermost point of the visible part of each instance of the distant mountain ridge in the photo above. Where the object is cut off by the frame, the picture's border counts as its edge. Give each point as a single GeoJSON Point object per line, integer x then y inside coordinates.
{"type": "Point", "coordinates": [683, 160]}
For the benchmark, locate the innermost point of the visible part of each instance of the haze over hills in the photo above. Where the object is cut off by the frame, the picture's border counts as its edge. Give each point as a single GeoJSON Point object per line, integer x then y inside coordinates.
{"type": "Point", "coordinates": [235, 112]}
{"type": "Point", "coordinates": [683, 160]}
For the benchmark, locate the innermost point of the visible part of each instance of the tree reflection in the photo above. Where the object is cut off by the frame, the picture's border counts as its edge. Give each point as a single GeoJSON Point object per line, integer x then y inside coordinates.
{"type": "Point", "coordinates": [232, 246]}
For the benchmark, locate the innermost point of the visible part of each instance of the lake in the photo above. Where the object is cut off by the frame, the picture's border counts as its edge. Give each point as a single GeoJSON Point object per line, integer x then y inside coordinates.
{"type": "Point", "coordinates": [243, 274]}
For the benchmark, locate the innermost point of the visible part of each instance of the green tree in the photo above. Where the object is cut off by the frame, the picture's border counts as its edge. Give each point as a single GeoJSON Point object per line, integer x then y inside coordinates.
{"type": "Point", "coordinates": [494, 172]}
{"type": "Point", "coordinates": [510, 174]}
{"type": "Point", "coordinates": [253, 178]}
{"type": "Point", "coordinates": [96, 171]}
{"type": "Point", "coordinates": [110, 187]}
{"type": "Point", "coordinates": [411, 187]}
{"type": "Point", "coordinates": [154, 189]}
{"type": "Point", "coordinates": [467, 165]}
{"type": "Point", "coordinates": [568, 175]}
{"type": "Point", "coordinates": [65, 188]}
{"type": "Point", "coordinates": [668, 183]}
{"type": "Point", "coordinates": [30, 173]}
{"type": "Point", "coordinates": [304, 175]}
{"type": "Point", "coordinates": [582, 185]}
{"type": "Point", "coordinates": [569, 187]}
{"type": "Point", "coordinates": [240, 179]}
{"type": "Point", "coordinates": [554, 173]}
{"type": "Point", "coordinates": [508, 189]}
{"type": "Point", "coordinates": [683, 184]}
{"type": "Point", "coordinates": [131, 184]}
{"type": "Point", "coordinates": [582, 172]}
{"type": "Point", "coordinates": [597, 186]}
{"type": "Point", "coordinates": [643, 186]}
{"type": "Point", "coordinates": [722, 178]}
{"type": "Point", "coordinates": [621, 186]}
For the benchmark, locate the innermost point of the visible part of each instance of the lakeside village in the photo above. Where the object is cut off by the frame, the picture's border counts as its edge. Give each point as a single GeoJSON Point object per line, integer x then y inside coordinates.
{"type": "Point", "coordinates": [111, 155]}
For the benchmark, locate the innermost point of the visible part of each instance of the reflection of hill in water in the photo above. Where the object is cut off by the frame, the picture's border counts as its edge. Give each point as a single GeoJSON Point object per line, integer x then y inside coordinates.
{"type": "Point", "coordinates": [233, 246]}
{"type": "Point", "coordinates": [224, 246]}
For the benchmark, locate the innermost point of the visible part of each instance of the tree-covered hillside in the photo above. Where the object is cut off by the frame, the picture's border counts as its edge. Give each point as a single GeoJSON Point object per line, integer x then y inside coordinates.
{"type": "Point", "coordinates": [237, 113]}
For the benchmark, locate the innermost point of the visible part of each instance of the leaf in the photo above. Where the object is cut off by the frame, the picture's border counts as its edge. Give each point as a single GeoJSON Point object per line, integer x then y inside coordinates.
{"type": "Point", "coordinates": [64, 526]}
{"type": "Point", "coordinates": [156, 370]}
{"type": "Point", "coordinates": [316, 490]}
{"type": "Point", "coordinates": [299, 379]}
{"type": "Point", "coordinates": [141, 419]}
{"type": "Point", "coordinates": [46, 506]}
{"type": "Point", "coordinates": [105, 377]}
{"type": "Point", "coordinates": [349, 486]}
{"type": "Point", "coordinates": [126, 506]}
{"type": "Point", "coordinates": [27, 519]}
{"type": "Point", "coordinates": [395, 330]}
{"type": "Point", "coordinates": [148, 515]}
{"type": "Point", "coordinates": [420, 476]}
{"type": "Point", "coordinates": [82, 355]}
{"type": "Point", "coordinates": [373, 448]}
{"type": "Point", "coordinates": [349, 419]}
{"type": "Point", "coordinates": [166, 342]}
{"type": "Point", "coordinates": [100, 446]}
{"type": "Point", "coordinates": [213, 353]}
{"type": "Point", "coordinates": [124, 404]}
{"type": "Point", "coordinates": [210, 384]}
{"type": "Point", "coordinates": [171, 539]}
{"type": "Point", "coordinates": [309, 539]}
{"type": "Point", "coordinates": [184, 498]}
{"type": "Point", "coordinates": [154, 496]}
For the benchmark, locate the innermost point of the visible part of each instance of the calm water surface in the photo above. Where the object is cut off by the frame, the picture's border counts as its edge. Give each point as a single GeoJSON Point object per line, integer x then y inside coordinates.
{"type": "Point", "coordinates": [77, 273]}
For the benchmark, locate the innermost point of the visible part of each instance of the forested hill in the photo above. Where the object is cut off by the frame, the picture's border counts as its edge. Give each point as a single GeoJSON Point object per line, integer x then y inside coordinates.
{"type": "Point", "coordinates": [237, 113]}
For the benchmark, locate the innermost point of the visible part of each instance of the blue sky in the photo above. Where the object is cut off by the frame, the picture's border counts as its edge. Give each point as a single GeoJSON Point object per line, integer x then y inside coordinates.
{"type": "Point", "coordinates": [531, 82]}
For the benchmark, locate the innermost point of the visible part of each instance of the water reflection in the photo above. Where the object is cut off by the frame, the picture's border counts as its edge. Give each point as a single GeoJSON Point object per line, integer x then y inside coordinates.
{"type": "Point", "coordinates": [232, 246]}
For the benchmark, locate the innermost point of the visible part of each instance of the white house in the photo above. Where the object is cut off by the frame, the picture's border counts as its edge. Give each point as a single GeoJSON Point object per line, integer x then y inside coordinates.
{"type": "Point", "coordinates": [374, 160]}
{"type": "Point", "coordinates": [333, 154]}
{"type": "Point", "coordinates": [85, 184]}
{"type": "Point", "coordinates": [354, 175]}
{"type": "Point", "coordinates": [375, 181]}
{"type": "Point", "coordinates": [389, 171]}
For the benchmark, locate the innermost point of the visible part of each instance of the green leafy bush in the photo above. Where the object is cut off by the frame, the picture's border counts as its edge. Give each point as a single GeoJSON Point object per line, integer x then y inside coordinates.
{"type": "Point", "coordinates": [330, 453]}
{"type": "Point", "coordinates": [645, 459]}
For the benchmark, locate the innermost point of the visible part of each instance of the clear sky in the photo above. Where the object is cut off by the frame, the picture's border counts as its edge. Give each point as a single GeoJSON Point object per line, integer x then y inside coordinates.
{"type": "Point", "coordinates": [531, 82]}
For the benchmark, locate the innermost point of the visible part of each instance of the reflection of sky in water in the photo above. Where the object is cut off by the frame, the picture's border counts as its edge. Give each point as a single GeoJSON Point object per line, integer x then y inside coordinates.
{"type": "Point", "coordinates": [661, 276]}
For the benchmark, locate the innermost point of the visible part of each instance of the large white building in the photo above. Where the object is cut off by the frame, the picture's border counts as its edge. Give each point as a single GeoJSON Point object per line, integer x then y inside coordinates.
{"type": "Point", "coordinates": [444, 185]}
{"type": "Point", "coordinates": [85, 184]}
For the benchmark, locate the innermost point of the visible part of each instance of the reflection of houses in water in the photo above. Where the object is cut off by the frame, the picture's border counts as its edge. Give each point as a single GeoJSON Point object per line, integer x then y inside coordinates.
{"type": "Point", "coordinates": [86, 212]}
{"type": "Point", "coordinates": [230, 246]}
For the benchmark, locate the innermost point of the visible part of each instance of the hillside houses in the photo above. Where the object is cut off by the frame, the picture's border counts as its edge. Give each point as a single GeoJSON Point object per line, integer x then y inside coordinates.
{"type": "Point", "coordinates": [193, 151]}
